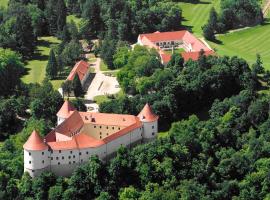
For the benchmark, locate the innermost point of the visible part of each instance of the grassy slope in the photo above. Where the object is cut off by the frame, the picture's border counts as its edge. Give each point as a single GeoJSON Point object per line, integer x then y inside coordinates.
{"type": "Point", "coordinates": [37, 65]}
{"type": "Point", "coordinates": [246, 43]}
{"type": "Point", "coordinates": [196, 15]}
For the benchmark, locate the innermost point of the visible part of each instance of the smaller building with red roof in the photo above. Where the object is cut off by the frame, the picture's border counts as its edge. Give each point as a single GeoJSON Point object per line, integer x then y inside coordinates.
{"type": "Point", "coordinates": [166, 42]}
{"type": "Point", "coordinates": [80, 135]}
{"type": "Point", "coordinates": [81, 68]}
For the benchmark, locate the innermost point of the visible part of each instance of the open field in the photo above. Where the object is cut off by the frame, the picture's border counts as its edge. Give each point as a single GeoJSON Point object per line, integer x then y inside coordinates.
{"type": "Point", "coordinates": [246, 44]}
{"type": "Point", "coordinates": [196, 15]}
{"type": "Point", "coordinates": [37, 65]}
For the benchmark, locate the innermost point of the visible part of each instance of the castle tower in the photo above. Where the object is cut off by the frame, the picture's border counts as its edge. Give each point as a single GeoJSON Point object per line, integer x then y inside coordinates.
{"type": "Point", "coordinates": [64, 112]}
{"type": "Point", "coordinates": [36, 155]}
{"type": "Point", "coordinates": [150, 123]}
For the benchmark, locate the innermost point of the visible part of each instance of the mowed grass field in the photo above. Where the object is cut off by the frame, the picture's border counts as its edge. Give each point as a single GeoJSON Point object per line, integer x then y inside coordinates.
{"type": "Point", "coordinates": [245, 43]}
{"type": "Point", "coordinates": [37, 65]}
{"type": "Point", "coordinates": [196, 15]}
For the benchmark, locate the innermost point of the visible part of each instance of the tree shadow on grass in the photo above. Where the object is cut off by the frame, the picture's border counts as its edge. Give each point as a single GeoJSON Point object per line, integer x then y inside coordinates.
{"type": "Point", "coordinates": [195, 2]}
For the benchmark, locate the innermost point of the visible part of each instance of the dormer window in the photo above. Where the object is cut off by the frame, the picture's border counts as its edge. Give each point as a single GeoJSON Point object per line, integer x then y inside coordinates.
{"type": "Point", "coordinates": [86, 118]}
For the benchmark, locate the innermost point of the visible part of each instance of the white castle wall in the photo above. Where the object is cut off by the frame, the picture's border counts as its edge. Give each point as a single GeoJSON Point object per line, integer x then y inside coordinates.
{"type": "Point", "coordinates": [63, 162]}
{"type": "Point", "coordinates": [60, 120]}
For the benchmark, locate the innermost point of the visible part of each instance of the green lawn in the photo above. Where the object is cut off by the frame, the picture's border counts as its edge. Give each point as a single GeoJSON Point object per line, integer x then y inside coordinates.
{"type": "Point", "coordinates": [74, 18]}
{"type": "Point", "coordinates": [103, 66]}
{"type": "Point", "coordinates": [246, 44]}
{"type": "Point", "coordinates": [37, 65]}
{"type": "Point", "coordinates": [196, 15]}
{"type": "Point", "coordinates": [180, 50]}
{"type": "Point", "coordinates": [4, 3]}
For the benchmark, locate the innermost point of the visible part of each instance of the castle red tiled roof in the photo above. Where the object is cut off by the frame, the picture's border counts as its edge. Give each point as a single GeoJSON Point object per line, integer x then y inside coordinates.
{"type": "Point", "coordinates": [81, 68]}
{"type": "Point", "coordinates": [66, 110]}
{"type": "Point", "coordinates": [71, 124]}
{"type": "Point", "coordinates": [35, 142]}
{"type": "Point", "coordinates": [147, 114]}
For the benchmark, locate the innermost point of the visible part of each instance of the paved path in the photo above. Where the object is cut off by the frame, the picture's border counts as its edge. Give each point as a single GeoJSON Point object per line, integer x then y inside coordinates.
{"type": "Point", "coordinates": [266, 8]}
{"type": "Point", "coordinates": [101, 84]}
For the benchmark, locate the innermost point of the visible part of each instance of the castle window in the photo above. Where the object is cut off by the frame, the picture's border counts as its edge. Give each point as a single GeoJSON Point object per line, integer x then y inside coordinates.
{"type": "Point", "coordinates": [58, 163]}
{"type": "Point", "coordinates": [153, 133]}
{"type": "Point", "coordinates": [29, 162]}
{"type": "Point", "coordinates": [95, 126]}
{"type": "Point", "coordinates": [118, 128]}
{"type": "Point", "coordinates": [153, 127]}
{"type": "Point", "coordinates": [73, 161]}
{"type": "Point", "coordinates": [86, 152]}
{"type": "Point", "coordinates": [63, 158]}
{"type": "Point", "coordinates": [69, 162]}
{"type": "Point", "coordinates": [33, 170]}
{"type": "Point", "coordinates": [29, 154]}
{"type": "Point", "coordinates": [56, 158]}
{"type": "Point", "coordinates": [107, 127]}
{"type": "Point", "coordinates": [100, 137]}
{"type": "Point", "coordinates": [74, 156]}
{"type": "Point", "coordinates": [71, 152]}
{"type": "Point", "coordinates": [80, 153]}
{"type": "Point", "coordinates": [59, 151]}
{"type": "Point", "coordinates": [69, 157]}
{"type": "Point", "coordinates": [100, 127]}
{"type": "Point", "coordinates": [113, 128]}
{"type": "Point", "coordinates": [42, 153]}
{"type": "Point", "coordinates": [107, 133]}
{"type": "Point", "coordinates": [43, 161]}
{"type": "Point", "coordinates": [100, 133]}
{"type": "Point", "coordinates": [81, 160]}
{"type": "Point", "coordinates": [51, 158]}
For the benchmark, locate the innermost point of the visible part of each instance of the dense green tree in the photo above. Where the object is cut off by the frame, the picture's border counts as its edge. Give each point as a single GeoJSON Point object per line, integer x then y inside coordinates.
{"type": "Point", "coordinates": [77, 86]}
{"type": "Point", "coordinates": [92, 14]}
{"type": "Point", "coordinates": [61, 11]}
{"type": "Point", "coordinates": [257, 67]}
{"type": "Point", "coordinates": [51, 69]}
{"type": "Point", "coordinates": [79, 105]}
{"type": "Point", "coordinates": [51, 16]}
{"type": "Point", "coordinates": [67, 88]}
{"type": "Point", "coordinates": [11, 70]}
{"type": "Point", "coordinates": [24, 32]}
{"type": "Point", "coordinates": [55, 193]}
{"type": "Point", "coordinates": [71, 53]}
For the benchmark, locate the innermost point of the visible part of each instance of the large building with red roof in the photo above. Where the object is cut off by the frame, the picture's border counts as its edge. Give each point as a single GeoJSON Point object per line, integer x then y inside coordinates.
{"type": "Point", "coordinates": [80, 135]}
{"type": "Point", "coordinates": [165, 42]}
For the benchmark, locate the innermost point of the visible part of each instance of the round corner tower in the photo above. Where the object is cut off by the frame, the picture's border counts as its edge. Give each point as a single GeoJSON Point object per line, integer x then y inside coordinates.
{"type": "Point", "coordinates": [64, 112]}
{"type": "Point", "coordinates": [150, 123]}
{"type": "Point", "coordinates": [36, 155]}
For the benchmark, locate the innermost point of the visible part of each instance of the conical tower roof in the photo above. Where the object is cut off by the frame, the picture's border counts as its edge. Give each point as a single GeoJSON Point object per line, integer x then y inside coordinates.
{"type": "Point", "coordinates": [65, 110]}
{"type": "Point", "coordinates": [35, 142]}
{"type": "Point", "coordinates": [147, 114]}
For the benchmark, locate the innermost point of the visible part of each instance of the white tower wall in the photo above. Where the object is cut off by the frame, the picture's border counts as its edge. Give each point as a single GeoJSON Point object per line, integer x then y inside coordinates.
{"type": "Point", "coordinates": [150, 130]}
{"type": "Point", "coordinates": [36, 162]}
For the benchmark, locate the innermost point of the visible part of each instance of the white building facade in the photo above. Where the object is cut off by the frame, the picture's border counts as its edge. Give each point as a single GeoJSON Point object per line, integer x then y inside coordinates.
{"type": "Point", "coordinates": [80, 135]}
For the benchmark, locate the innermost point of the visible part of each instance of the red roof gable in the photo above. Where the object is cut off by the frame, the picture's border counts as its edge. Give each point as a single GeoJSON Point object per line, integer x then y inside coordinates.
{"type": "Point", "coordinates": [81, 68]}
{"type": "Point", "coordinates": [35, 142]}
{"type": "Point", "coordinates": [147, 114]}
{"type": "Point", "coordinates": [66, 110]}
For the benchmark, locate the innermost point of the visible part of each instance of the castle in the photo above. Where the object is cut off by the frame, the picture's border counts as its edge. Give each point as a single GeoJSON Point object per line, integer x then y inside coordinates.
{"type": "Point", "coordinates": [79, 135]}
